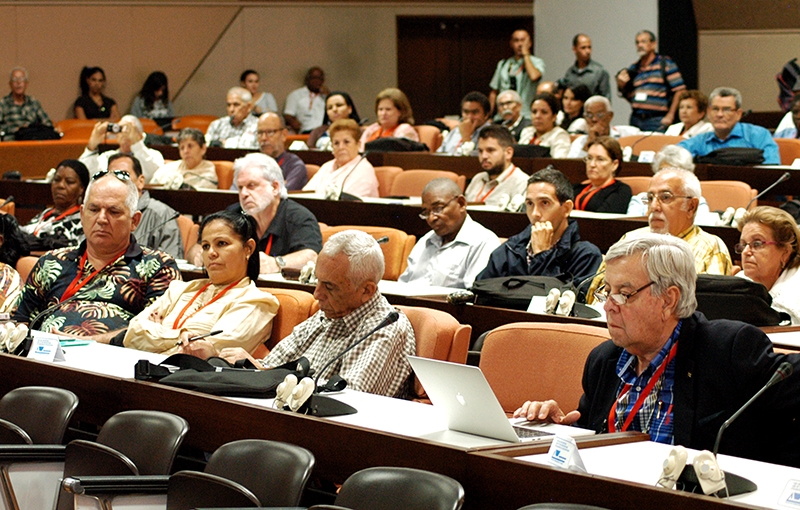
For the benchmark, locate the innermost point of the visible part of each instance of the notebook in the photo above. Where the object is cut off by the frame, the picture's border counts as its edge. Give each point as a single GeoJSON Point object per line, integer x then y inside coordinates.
{"type": "Point", "coordinates": [470, 406]}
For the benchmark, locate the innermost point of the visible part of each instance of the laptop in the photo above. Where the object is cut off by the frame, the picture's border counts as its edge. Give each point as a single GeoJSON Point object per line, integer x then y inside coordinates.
{"type": "Point", "coordinates": [470, 406]}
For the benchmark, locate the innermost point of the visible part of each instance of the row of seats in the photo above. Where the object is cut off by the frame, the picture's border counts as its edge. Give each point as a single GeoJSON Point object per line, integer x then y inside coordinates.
{"type": "Point", "coordinates": [393, 181]}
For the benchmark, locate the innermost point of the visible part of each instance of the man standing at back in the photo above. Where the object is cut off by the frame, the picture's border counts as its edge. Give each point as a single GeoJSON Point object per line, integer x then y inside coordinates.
{"type": "Point", "coordinates": [500, 180]}
{"type": "Point", "coordinates": [131, 141]}
{"type": "Point", "coordinates": [552, 245]}
{"type": "Point", "coordinates": [651, 85]}
{"type": "Point", "coordinates": [457, 248]}
{"type": "Point", "coordinates": [585, 70]}
{"type": "Point", "coordinates": [305, 107]}
{"type": "Point", "coordinates": [521, 72]}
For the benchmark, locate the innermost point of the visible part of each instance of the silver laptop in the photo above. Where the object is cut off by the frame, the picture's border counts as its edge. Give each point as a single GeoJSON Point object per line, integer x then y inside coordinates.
{"type": "Point", "coordinates": [470, 406]}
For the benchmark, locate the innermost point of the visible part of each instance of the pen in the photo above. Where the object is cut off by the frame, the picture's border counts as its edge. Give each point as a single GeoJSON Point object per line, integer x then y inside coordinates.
{"type": "Point", "coordinates": [200, 337]}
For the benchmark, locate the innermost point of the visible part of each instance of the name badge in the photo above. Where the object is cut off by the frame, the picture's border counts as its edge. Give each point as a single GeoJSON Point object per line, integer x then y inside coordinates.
{"type": "Point", "coordinates": [640, 96]}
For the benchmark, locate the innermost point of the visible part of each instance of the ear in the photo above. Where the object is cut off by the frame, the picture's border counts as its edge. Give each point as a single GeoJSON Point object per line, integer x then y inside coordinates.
{"type": "Point", "coordinates": [694, 203]}
{"type": "Point", "coordinates": [370, 288]}
{"type": "Point", "coordinates": [250, 247]}
{"type": "Point", "coordinates": [276, 188]}
{"type": "Point", "coordinates": [671, 297]}
{"type": "Point", "coordinates": [568, 206]}
{"type": "Point", "coordinates": [135, 219]}
{"type": "Point", "coordinates": [610, 117]}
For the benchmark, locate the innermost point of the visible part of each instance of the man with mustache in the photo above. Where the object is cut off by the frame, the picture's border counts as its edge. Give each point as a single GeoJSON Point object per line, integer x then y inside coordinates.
{"type": "Point", "coordinates": [509, 108]}
{"type": "Point", "coordinates": [672, 201]}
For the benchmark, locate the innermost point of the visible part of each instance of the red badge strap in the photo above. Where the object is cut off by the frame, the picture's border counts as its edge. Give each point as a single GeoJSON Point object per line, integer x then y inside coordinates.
{"type": "Point", "coordinates": [269, 245]}
{"type": "Point", "coordinates": [612, 415]}
{"type": "Point", "coordinates": [480, 198]}
{"type": "Point", "coordinates": [57, 218]}
{"type": "Point", "coordinates": [584, 196]}
{"type": "Point", "coordinates": [178, 324]}
{"type": "Point", "coordinates": [77, 284]}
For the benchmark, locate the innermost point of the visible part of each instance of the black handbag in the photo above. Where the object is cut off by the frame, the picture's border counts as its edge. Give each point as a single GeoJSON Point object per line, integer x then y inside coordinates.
{"type": "Point", "coordinates": [730, 297]}
{"type": "Point", "coordinates": [515, 292]}
{"type": "Point", "coordinates": [733, 156]}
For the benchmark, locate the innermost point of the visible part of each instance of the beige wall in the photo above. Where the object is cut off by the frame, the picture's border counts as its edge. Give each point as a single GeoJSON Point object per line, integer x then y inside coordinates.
{"type": "Point", "coordinates": [354, 43]}
{"type": "Point", "coordinates": [747, 60]}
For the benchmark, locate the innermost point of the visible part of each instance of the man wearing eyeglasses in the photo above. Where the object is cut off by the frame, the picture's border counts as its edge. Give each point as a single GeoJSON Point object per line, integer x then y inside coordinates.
{"type": "Point", "coordinates": [18, 110]}
{"type": "Point", "coordinates": [671, 373]}
{"type": "Point", "coordinates": [509, 109]}
{"type": "Point", "coordinates": [598, 114]}
{"type": "Point", "coordinates": [457, 248]}
{"type": "Point", "coordinates": [725, 114]}
{"type": "Point", "coordinates": [672, 201]}
{"type": "Point", "coordinates": [238, 129]}
{"type": "Point", "coordinates": [108, 279]}
{"type": "Point", "coordinates": [272, 134]}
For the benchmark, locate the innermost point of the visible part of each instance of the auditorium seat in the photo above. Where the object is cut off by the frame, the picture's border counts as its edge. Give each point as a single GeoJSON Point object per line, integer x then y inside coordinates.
{"type": "Point", "coordinates": [9, 208]}
{"type": "Point", "coordinates": [224, 174]}
{"type": "Point", "coordinates": [789, 149]}
{"type": "Point", "coordinates": [395, 251]}
{"type": "Point", "coordinates": [295, 307]}
{"type": "Point", "coordinates": [538, 361]}
{"type": "Point", "coordinates": [386, 176]}
{"type": "Point", "coordinates": [399, 488]}
{"type": "Point", "coordinates": [645, 142]}
{"type": "Point", "coordinates": [638, 183]}
{"type": "Point", "coordinates": [311, 170]}
{"type": "Point", "coordinates": [189, 230]}
{"type": "Point", "coordinates": [723, 194]}
{"type": "Point", "coordinates": [25, 265]}
{"type": "Point", "coordinates": [150, 126]}
{"type": "Point", "coordinates": [79, 133]}
{"type": "Point", "coordinates": [68, 124]}
{"type": "Point", "coordinates": [410, 183]}
{"type": "Point", "coordinates": [200, 122]}
{"type": "Point", "coordinates": [430, 136]}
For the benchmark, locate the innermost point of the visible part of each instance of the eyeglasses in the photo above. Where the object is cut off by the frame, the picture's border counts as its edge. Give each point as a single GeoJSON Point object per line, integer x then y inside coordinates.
{"type": "Point", "coordinates": [599, 161]}
{"type": "Point", "coordinates": [726, 110]}
{"type": "Point", "coordinates": [506, 103]}
{"type": "Point", "coordinates": [602, 295]}
{"type": "Point", "coordinates": [268, 132]}
{"type": "Point", "coordinates": [592, 116]}
{"type": "Point", "coordinates": [665, 197]}
{"type": "Point", "coordinates": [436, 210]}
{"type": "Point", "coordinates": [755, 245]}
{"type": "Point", "coordinates": [119, 174]}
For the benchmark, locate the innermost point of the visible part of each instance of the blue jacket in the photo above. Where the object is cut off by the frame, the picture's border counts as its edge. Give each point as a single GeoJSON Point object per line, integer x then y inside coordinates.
{"type": "Point", "coordinates": [570, 255]}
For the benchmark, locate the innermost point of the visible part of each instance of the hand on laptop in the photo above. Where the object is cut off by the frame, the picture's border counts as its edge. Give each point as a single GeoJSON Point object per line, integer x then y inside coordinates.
{"type": "Point", "coordinates": [546, 411]}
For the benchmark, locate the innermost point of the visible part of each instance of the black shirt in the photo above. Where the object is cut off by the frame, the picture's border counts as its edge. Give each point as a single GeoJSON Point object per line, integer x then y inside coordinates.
{"type": "Point", "coordinates": [293, 228]}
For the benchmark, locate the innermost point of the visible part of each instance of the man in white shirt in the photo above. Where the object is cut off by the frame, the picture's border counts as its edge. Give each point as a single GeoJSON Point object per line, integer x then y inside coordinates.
{"type": "Point", "coordinates": [598, 114]}
{"type": "Point", "coordinates": [305, 107]}
{"type": "Point", "coordinates": [501, 181]}
{"type": "Point", "coordinates": [131, 141]}
{"type": "Point", "coordinates": [457, 249]}
{"type": "Point", "coordinates": [238, 129]}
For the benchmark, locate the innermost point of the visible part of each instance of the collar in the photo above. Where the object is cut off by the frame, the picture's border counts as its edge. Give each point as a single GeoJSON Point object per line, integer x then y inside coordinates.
{"type": "Point", "coordinates": [134, 250]}
{"type": "Point", "coordinates": [354, 318]}
{"type": "Point", "coordinates": [736, 132]}
{"type": "Point", "coordinates": [626, 370]}
{"type": "Point", "coordinates": [688, 232]}
{"type": "Point", "coordinates": [144, 200]}
{"type": "Point", "coordinates": [462, 236]}
{"type": "Point", "coordinates": [503, 175]}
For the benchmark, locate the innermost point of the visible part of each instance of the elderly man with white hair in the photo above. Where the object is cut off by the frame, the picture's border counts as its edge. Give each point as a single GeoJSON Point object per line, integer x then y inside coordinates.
{"type": "Point", "coordinates": [348, 270]}
{"type": "Point", "coordinates": [669, 372]}
{"type": "Point", "coordinates": [288, 233]}
{"type": "Point", "coordinates": [598, 114]}
{"type": "Point", "coordinates": [131, 141]}
{"type": "Point", "coordinates": [509, 109]}
{"type": "Point", "coordinates": [238, 129]}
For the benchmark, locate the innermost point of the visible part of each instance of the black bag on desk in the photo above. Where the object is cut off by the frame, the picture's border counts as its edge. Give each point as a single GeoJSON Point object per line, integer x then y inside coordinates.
{"type": "Point", "coordinates": [734, 156]}
{"type": "Point", "coordinates": [515, 292]}
{"type": "Point", "coordinates": [216, 376]}
{"type": "Point", "coordinates": [730, 297]}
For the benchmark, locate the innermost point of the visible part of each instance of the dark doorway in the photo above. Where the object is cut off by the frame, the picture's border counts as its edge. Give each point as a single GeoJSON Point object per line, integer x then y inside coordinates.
{"type": "Point", "coordinates": [440, 59]}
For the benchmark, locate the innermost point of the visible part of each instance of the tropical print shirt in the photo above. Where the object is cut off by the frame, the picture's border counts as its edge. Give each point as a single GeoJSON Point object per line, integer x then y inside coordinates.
{"type": "Point", "coordinates": [107, 302]}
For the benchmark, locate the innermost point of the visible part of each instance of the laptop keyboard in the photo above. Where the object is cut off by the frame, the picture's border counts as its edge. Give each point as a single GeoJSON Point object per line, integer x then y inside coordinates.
{"type": "Point", "coordinates": [526, 433]}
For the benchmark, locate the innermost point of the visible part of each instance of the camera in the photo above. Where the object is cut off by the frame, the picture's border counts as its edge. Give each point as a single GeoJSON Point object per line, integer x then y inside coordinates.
{"type": "Point", "coordinates": [113, 128]}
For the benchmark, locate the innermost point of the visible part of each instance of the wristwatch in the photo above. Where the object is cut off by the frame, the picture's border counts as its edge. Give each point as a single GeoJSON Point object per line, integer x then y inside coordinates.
{"type": "Point", "coordinates": [281, 263]}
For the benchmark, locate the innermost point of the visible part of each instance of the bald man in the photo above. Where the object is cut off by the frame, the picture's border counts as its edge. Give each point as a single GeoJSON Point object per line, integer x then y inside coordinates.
{"type": "Point", "coordinates": [131, 141]}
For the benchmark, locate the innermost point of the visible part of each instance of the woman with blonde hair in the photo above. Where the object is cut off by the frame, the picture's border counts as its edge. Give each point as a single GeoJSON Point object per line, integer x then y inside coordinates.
{"type": "Point", "coordinates": [395, 118]}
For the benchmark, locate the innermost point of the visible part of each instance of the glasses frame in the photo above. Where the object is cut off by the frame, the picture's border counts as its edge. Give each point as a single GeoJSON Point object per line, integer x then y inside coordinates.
{"type": "Point", "coordinates": [424, 216]}
{"type": "Point", "coordinates": [618, 299]}
{"type": "Point", "coordinates": [647, 199]}
{"type": "Point", "coordinates": [119, 174]}
{"type": "Point", "coordinates": [740, 246]}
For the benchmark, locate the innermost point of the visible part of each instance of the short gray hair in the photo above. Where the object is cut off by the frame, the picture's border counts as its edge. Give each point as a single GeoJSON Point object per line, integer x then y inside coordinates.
{"type": "Point", "coordinates": [268, 167]}
{"type": "Point", "coordinates": [691, 184]}
{"type": "Point", "coordinates": [242, 92]}
{"type": "Point", "coordinates": [131, 200]}
{"type": "Point", "coordinates": [674, 156]}
{"type": "Point", "coordinates": [726, 92]}
{"type": "Point", "coordinates": [667, 260]}
{"type": "Point", "coordinates": [513, 93]}
{"type": "Point", "coordinates": [18, 68]}
{"type": "Point", "coordinates": [135, 122]}
{"type": "Point", "coordinates": [363, 252]}
{"type": "Point", "coordinates": [598, 99]}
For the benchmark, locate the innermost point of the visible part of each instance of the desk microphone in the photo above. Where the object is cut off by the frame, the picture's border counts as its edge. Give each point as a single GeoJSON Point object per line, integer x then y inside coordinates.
{"type": "Point", "coordinates": [348, 197]}
{"type": "Point", "coordinates": [784, 177]}
{"type": "Point", "coordinates": [586, 280]}
{"type": "Point", "coordinates": [7, 201]}
{"type": "Point", "coordinates": [782, 372]}
{"type": "Point", "coordinates": [24, 346]}
{"type": "Point", "coordinates": [151, 241]}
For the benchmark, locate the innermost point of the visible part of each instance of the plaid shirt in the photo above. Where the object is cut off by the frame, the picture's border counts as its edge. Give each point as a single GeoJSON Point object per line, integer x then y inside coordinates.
{"type": "Point", "coordinates": [14, 116]}
{"type": "Point", "coordinates": [378, 365]}
{"type": "Point", "coordinates": [655, 415]}
{"type": "Point", "coordinates": [242, 136]}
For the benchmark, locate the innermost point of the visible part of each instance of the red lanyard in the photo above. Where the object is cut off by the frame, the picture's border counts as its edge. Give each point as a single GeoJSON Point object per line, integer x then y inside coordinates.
{"type": "Point", "coordinates": [382, 134]}
{"type": "Point", "coordinates": [269, 244]}
{"type": "Point", "coordinates": [76, 284]}
{"type": "Point", "coordinates": [581, 206]}
{"type": "Point", "coordinates": [57, 218]}
{"type": "Point", "coordinates": [612, 415]}
{"type": "Point", "coordinates": [178, 324]}
{"type": "Point", "coordinates": [480, 198]}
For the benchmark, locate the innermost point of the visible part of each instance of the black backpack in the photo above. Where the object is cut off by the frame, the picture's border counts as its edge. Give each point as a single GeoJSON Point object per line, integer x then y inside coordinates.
{"type": "Point", "coordinates": [730, 297]}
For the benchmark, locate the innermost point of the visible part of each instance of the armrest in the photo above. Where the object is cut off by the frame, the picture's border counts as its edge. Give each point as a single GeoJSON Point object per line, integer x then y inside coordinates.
{"type": "Point", "coordinates": [13, 434]}
{"type": "Point", "coordinates": [32, 453]}
{"type": "Point", "coordinates": [96, 459]}
{"type": "Point", "coordinates": [94, 485]}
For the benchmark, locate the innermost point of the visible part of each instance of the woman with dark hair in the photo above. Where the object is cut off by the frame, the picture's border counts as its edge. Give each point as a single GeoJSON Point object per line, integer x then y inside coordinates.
{"type": "Point", "coordinates": [543, 130]}
{"type": "Point", "coordinates": [603, 193]}
{"type": "Point", "coordinates": [228, 300]}
{"type": "Point", "coordinates": [572, 102]}
{"type": "Point", "coordinates": [395, 118]}
{"type": "Point", "coordinates": [338, 105]}
{"type": "Point", "coordinates": [12, 247]}
{"type": "Point", "coordinates": [262, 101]}
{"type": "Point", "coordinates": [92, 104]}
{"type": "Point", "coordinates": [60, 225]}
{"type": "Point", "coordinates": [153, 100]}
{"type": "Point", "coordinates": [192, 169]}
